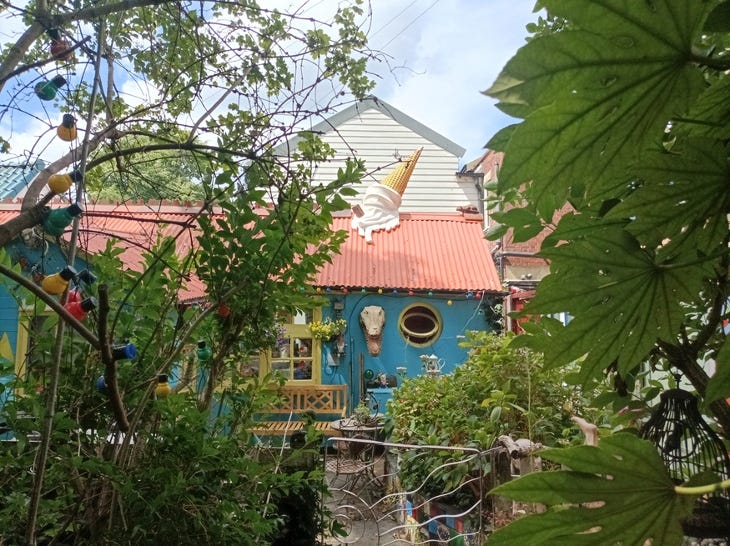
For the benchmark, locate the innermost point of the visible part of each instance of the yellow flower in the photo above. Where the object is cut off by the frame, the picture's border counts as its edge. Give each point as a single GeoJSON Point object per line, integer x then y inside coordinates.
{"type": "Point", "coordinates": [327, 329]}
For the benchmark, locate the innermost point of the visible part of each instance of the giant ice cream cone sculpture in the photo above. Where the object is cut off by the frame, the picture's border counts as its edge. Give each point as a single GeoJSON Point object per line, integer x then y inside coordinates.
{"type": "Point", "coordinates": [381, 201]}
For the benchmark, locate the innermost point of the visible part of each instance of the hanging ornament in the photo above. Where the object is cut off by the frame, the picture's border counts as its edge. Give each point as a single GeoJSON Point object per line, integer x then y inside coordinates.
{"type": "Point", "coordinates": [59, 183]}
{"type": "Point", "coordinates": [60, 47]}
{"type": "Point", "coordinates": [380, 290]}
{"type": "Point", "coordinates": [86, 277]}
{"type": "Point", "coordinates": [101, 384]}
{"type": "Point", "coordinates": [689, 446]}
{"type": "Point", "coordinates": [224, 310]}
{"type": "Point", "coordinates": [58, 282]}
{"type": "Point", "coordinates": [449, 302]}
{"type": "Point", "coordinates": [57, 220]}
{"type": "Point", "coordinates": [73, 295]}
{"type": "Point", "coordinates": [162, 390]}
{"type": "Point", "coordinates": [67, 130]}
{"type": "Point", "coordinates": [124, 352]}
{"type": "Point", "coordinates": [204, 352]}
{"type": "Point", "coordinates": [410, 292]}
{"type": "Point", "coordinates": [79, 309]}
{"type": "Point", "coordinates": [469, 295]}
{"type": "Point", "coordinates": [46, 90]}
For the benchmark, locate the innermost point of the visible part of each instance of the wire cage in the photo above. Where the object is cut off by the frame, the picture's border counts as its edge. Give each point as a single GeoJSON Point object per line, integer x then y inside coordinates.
{"type": "Point", "coordinates": [688, 447]}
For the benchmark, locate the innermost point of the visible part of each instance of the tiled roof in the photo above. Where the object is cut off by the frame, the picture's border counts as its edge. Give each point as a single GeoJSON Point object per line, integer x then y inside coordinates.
{"type": "Point", "coordinates": [15, 177]}
{"type": "Point", "coordinates": [439, 252]}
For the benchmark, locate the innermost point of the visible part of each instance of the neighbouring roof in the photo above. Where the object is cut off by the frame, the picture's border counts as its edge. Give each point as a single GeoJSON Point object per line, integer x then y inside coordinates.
{"type": "Point", "coordinates": [373, 102]}
{"type": "Point", "coordinates": [438, 252]}
{"type": "Point", "coordinates": [135, 225]}
{"type": "Point", "coordinates": [15, 176]}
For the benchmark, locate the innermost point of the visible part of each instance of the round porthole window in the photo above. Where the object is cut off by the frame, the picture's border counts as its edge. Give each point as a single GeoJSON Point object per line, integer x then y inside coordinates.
{"type": "Point", "coordinates": [420, 324]}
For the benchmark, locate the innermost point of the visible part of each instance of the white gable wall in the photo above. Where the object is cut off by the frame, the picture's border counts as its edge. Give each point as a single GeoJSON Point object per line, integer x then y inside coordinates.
{"type": "Point", "coordinates": [376, 138]}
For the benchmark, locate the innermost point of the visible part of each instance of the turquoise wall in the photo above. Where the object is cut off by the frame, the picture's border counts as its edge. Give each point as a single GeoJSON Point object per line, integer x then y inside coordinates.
{"type": "Point", "coordinates": [462, 315]}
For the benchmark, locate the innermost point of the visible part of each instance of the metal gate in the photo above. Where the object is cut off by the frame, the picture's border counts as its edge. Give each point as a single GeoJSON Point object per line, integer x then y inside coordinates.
{"type": "Point", "coordinates": [383, 493]}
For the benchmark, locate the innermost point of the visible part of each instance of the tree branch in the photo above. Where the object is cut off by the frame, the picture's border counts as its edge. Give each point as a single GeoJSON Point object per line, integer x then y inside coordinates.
{"type": "Point", "coordinates": [110, 367]}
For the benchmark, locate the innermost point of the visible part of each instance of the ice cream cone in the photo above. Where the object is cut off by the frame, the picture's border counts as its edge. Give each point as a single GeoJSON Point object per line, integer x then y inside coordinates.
{"type": "Point", "coordinates": [397, 179]}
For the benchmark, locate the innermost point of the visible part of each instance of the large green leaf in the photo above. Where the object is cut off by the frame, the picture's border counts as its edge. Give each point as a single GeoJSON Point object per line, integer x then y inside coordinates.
{"type": "Point", "coordinates": [616, 493]}
{"type": "Point", "coordinates": [710, 115]}
{"type": "Point", "coordinates": [623, 299]}
{"type": "Point", "coordinates": [595, 96]}
{"type": "Point", "coordinates": [682, 195]}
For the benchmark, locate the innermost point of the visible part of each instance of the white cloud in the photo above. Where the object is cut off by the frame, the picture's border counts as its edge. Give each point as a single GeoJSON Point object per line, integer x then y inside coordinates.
{"type": "Point", "coordinates": [449, 55]}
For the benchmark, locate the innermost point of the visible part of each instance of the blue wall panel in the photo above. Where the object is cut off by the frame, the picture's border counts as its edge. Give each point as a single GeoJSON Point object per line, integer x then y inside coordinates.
{"type": "Point", "coordinates": [459, 317]}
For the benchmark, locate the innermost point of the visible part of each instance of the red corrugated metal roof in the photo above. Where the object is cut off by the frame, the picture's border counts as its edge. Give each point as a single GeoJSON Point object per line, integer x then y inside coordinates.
{"type": "Point", "coordinates": [439, 252]}
{"type": "Point", "coordinates": [135, 226]}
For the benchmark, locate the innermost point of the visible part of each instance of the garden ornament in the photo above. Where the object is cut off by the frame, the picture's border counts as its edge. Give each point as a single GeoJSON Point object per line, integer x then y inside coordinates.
{"type": "Point", "coordinates": [372, 320]}
{"type": "Point", "coordinates": [432, 364]}
{"type": "Point", "coordinates": [381, 201]}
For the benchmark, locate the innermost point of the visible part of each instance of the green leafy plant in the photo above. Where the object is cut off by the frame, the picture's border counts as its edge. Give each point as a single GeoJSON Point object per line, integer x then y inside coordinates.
{"type": "Point", "coordinates": [624, 117]}
{"type": "Point", "coordinates": [497, 390]}
{"type": "Point", "coordinates": [119, 466]}
{"type": "Point", "coordinates": [590, 503]}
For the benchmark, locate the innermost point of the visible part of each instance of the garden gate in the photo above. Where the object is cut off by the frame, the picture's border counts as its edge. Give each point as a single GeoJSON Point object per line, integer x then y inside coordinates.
{"type": "Point", "coordinates": [383, 493]}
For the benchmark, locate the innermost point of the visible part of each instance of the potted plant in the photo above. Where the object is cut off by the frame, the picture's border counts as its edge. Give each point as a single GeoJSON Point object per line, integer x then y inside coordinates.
{"type": "Point", "coordinates": [328, 330]}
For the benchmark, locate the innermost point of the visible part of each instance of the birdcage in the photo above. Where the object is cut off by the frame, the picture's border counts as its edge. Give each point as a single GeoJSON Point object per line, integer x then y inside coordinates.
{"type": "Point", "coordinates": [688, 447]}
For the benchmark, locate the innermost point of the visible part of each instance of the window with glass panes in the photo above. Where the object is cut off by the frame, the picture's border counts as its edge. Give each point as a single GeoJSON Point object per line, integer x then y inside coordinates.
{"type": "Point", "coordinates": [296, 353]}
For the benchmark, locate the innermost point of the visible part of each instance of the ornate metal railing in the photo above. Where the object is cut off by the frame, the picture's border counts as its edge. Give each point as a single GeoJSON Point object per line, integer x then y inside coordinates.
{"type": "Point", "coordinates": [383, 493]}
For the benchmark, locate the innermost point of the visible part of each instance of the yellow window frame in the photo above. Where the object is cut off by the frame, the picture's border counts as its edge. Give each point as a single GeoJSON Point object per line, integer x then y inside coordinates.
{"type": "Point", "coordinates": [272, 360]}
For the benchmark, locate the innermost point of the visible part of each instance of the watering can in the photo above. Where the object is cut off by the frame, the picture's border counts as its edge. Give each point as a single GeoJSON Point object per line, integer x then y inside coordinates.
{"type": "Point", "coordinates": [432, 364]}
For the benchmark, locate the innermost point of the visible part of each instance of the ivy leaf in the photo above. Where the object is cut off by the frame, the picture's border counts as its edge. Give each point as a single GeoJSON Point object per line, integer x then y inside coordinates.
{"type": "Point", "coordinates": [621, 296]}
{"type": "Point", "coordinates": [616, 493]}
{"type": "Point", "coordinates": [624, 68]}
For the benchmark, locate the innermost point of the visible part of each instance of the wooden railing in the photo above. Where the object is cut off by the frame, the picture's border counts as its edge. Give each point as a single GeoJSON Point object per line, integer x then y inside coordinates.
{"type": "Point", "coordinates": [327, 403]}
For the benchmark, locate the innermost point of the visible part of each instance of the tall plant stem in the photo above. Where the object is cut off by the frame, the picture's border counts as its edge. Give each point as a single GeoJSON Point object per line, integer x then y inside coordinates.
{"type": "Point", "coordinates": [46, 432]}
{"type": "Point", "coordinates": [702, 489]}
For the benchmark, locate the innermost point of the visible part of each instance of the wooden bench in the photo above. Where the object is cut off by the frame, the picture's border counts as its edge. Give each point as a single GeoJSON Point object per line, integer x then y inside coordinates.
{"type": "Point", "coordinates": [327, 402]}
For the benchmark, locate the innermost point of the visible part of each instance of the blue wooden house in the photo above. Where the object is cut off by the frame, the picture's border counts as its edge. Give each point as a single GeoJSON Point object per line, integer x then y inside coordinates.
{"type": "Point", "coordinates": [423, 263]}
{"type": "Point", "coordinates": [408, 287]}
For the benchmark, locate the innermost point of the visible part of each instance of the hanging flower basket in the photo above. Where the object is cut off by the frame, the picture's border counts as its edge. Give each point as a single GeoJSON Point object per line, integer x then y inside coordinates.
{"type": "Point", "coordinates": [328, 329]}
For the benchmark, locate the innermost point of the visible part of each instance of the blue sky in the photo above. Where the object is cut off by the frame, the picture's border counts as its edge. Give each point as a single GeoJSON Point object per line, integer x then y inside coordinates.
{"type": "Point", "coordinates": [450, 51]}
{"type": "Point", "coordinates": [442, 54]}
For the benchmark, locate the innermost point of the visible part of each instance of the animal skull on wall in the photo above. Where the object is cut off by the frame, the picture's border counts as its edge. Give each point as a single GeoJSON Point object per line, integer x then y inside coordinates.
{"type": "Point", "coordinates": [372, 320]}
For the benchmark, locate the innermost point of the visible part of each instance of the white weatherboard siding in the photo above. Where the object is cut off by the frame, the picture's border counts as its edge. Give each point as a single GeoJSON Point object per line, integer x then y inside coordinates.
{"type": "Point", "coordinates": [379, 134]}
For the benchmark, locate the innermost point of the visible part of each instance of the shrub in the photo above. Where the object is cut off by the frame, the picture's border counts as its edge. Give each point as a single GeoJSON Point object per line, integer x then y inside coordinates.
{"type": "Point", "coordinates": [497, 390]}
